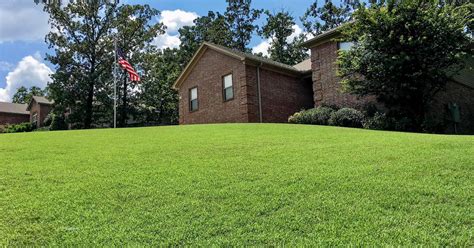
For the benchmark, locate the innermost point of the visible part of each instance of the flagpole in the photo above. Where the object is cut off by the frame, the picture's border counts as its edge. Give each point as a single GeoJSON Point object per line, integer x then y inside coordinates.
{"type": "Point", "coordinates": [115, 81]}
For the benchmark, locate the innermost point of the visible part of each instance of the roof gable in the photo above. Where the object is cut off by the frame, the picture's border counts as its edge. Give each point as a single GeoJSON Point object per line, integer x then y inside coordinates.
{"type": "Point", "coordinates": [244, 57]}
{"type": "Point", "coordinates": [39, 100]}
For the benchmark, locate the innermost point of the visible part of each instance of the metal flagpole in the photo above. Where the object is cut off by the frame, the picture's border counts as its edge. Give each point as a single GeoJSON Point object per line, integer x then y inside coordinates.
{"type": "Point", "coordinates": [115, 81]}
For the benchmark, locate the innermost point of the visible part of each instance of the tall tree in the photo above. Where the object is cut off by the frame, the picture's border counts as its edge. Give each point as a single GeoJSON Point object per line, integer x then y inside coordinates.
{"type": "Point", "coordinates": [82, 40]}
{"type": "Point", "coordinates": [24, 95]}
{"type": "Point", "coordinates": [284, 48]}
{"type": "Point", "coordinates": [405, 52]}
{"type": "Point", "coordinates": [240, 18]}
{"type": "Point", "coordinates": [157, 100]}
{"type": "Point", "coordinates": [211, 28]}
{"type": "Point", "coordinates": [318, 19]}
{"type": "Point", "coordinates": [135, 32]}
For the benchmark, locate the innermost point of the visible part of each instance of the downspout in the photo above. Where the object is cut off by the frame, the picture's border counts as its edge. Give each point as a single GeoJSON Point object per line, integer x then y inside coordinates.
{"type": "Point", "coordinates": [259, 94]}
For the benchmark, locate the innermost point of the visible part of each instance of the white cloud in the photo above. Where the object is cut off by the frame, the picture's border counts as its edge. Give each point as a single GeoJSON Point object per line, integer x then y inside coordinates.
{"type": "Point", "coordinates": [167, 41]}
{"type": "Point", "coordinates": [262, 47]}
{"type": "Point", "coordinates": [173, 20]}
{"type": "Point", "coordinates": [29, 72]}
{"type": "Point", "coordinates": [22, 20]}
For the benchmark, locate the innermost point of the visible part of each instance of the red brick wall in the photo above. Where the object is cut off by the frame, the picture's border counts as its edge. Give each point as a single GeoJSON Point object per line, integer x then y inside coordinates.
{"type": "Point", "coordinates": [282, 95]}
{"type": "Point", "coordinates": [10, 118]}
{"type": "Point", "coordinates": [207, 76]}
{"type": "Point", "coordinates": [326, 86]}
{"type": "Point", "coordinates": [42, 110]}
{"type": "Point", "coordinates": [463, 96]}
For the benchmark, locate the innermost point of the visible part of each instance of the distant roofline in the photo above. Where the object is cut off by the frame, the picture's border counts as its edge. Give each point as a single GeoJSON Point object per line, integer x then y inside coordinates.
{"type": "Point", "coordinates": [13, 108]}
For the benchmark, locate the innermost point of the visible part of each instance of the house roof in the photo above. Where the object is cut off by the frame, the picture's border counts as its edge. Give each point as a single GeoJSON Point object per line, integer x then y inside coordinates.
{"type": "Point", "coordinates": [322, 38]}
{"type": "Point", "coordinates": [40, 100]}
{"type": "Point", "coordinates": [244, 57]}
{"type": "Point", "coordinates": [14, 108]}
{"type": "Point", "coordinates": [304, 65]}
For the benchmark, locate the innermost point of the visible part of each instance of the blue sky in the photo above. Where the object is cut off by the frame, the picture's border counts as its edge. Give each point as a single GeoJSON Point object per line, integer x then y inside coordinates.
{"type": "Point", "coordinates": [24, 24]}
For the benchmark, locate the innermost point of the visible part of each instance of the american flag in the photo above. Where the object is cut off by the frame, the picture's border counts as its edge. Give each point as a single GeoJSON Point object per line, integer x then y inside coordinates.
{"type": "Point", "coordinates": [134, 77]}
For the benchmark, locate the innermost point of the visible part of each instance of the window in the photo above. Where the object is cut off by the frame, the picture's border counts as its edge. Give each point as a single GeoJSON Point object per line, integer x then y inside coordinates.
{"type": "Point", "coordinates": [193, 99]}
{"type": "Point", "coordinates": [228, 89]}
{"type": "Point", "coordinates": [344, 46]}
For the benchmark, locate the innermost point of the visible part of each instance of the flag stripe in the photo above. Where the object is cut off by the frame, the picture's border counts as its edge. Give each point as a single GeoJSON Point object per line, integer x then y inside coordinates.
{"type": "Point", "coordinates": [132, 74]}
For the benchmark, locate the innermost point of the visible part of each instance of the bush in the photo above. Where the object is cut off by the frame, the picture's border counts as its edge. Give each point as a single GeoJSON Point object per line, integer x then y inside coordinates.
{"type": "Point", "coordinates": [346, 117]}
{"type": "Point", "coordinates": [315, 116]}
{"type": "Point", "coordinates": [379, 121]}
{"type": "Point", "coordinates": [58, 122]}
{"type": "Point", "coordinates": [18, 128]}
{"type": "Point", "coordinates": [47, 121]}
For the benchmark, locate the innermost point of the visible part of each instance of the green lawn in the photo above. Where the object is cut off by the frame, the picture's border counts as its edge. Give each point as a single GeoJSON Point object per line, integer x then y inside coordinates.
{"type": "Point", "coordinates": [240, 184]}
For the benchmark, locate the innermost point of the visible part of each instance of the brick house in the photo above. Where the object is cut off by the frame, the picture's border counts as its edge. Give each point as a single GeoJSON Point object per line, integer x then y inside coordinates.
{"type": "Point", "coordinates": [223, 85]}
{"type": "Point", "coordinates": [34, 112]}
{"type": "Point", "coordinates": [13, 113]}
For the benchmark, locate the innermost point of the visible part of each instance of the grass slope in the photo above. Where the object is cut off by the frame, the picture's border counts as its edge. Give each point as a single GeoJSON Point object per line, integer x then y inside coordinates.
{"type": "Point", "coordinates": [250, 184]}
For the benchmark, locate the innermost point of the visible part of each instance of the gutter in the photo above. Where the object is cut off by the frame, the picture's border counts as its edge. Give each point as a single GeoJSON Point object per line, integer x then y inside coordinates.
{"type": "Point", "coordinates": [259, 94]}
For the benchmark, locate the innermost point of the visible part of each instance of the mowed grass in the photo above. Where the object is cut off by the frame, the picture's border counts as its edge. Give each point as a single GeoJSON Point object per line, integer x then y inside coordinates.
{"type": "Point", "coordinates": [236, 184]}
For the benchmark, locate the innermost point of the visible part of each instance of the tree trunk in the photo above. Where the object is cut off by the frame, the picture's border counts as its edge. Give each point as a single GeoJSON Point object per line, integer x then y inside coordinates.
{"type": "Point", "coordinates": [90, 98]}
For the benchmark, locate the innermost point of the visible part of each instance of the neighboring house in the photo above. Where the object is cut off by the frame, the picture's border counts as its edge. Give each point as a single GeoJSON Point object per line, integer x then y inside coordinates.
{"type": "Point", "coordinates": [13, 113]}
{"type": "Point", "coordinates": [223, 85]}
{"type": "Point", "coordinates": [34, 112]}
{"type": "Point", "coordinates": [39, 107]}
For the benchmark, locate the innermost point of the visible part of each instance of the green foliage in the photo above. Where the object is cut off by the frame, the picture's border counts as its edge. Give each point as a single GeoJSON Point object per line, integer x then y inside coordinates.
{"type": "Point", "coordinates": [211, 28]}
{"type": "Point", "coordinates": [315, 116]}
{"type": "Point", "coordinates": [236, 185]}
{"type": "Point", "coordinates": [158, 102]}
{"type": "Point", "coordinates": [279, 28]}
{"type": "Point", "coordinates": [319, 19]}
{"type": "Point", "coordinates": [58, 122]}
{"type": "Point", "coordinates": [82, 41]}
{"type": "Point", "coordinates": [18, 128]}
{"type": "Point", "coordinates": [240, 18]}
{"type": "Point", "coordinates": [346, 117]}
{"type": "Point", "coordinates": [24, 95]}
{"type": "Point", "coordinates": [379, 121]}
{"type": "Point", "coordinates": [405, 53]}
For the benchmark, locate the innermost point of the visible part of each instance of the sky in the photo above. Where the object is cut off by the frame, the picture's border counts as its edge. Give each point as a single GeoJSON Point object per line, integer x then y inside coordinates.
{"type": "Point", "coordinates": [24, 25]}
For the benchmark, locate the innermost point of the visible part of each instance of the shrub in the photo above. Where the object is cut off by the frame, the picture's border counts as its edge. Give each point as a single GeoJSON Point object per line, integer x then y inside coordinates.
{"type": "Point", "coordinates": [315, 116]}
{"type": "Point", "coordinates": [47, 121]}
{"type": "Point", "coordinates": [379, 121]}
{"type": "Point", "coordinates": [58, 122]}
{"type": "Point", "coordinates": [18, 128]}
{"type": "Point", "coordinates": [347, 117]}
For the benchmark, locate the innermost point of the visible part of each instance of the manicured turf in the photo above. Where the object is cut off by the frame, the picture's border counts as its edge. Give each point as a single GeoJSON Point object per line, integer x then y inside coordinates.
{"type": "Point", "coordinates": [241, 184]}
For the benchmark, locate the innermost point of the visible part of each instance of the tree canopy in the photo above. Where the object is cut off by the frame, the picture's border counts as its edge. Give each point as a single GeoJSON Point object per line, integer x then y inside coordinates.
{"type": "Point", "coordinates": [24, 95]}
{"type": "Point", "coordinates": [405, 52]}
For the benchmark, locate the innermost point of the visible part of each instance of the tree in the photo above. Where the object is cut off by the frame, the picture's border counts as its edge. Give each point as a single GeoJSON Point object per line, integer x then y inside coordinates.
{"type": "Point", "coordinates": [134, 33]}
{"type": "Point", "coordinates": [157, 100]}
{"type": "Point", "coordinates": [404, 53]}
{"type": "Point", "coordinates": [82, 40]}
{"type": "Point", "coordinates": [23, 95]}
{"type": "Point", "coordinates": [283, 48]}
{"type": "Point", "coordinates": [240, 18]}
{"type": "Point", "coordinates": [211, 28]}
{"type": "Point", "coordinates": [319, 19]}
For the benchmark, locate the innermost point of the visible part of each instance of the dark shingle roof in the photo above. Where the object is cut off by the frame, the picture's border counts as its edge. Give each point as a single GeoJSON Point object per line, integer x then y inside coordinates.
{"type": "Point", "coordinates": [254, 57]}
{"type": "Point", "coordinates": [14, 108]}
